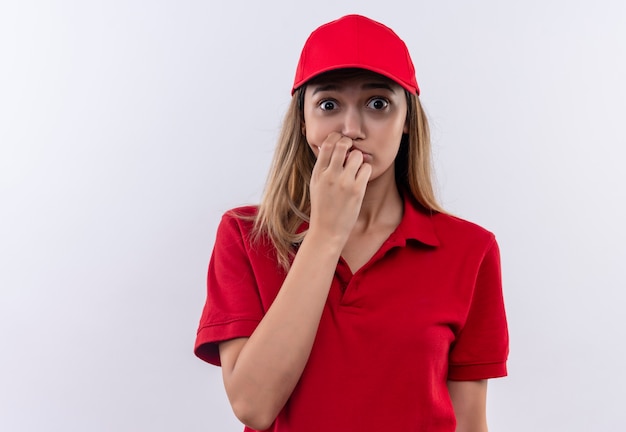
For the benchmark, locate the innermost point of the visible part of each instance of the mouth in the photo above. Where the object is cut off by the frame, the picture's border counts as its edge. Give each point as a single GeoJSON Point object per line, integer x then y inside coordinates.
{"type": "Point", "coordinates": [356, 148]}
{"type": "Point", "coordinates": [367, 157]}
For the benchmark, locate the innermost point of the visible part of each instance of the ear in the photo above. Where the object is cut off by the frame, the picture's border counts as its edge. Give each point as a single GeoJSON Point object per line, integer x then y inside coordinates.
{"type": "Point", "coordinates": [405, 129]}
{"type": "Point", "coordinates": [303, 128]}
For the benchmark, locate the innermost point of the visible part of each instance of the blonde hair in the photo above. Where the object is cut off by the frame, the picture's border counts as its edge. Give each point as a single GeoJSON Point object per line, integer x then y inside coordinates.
{"type": "Point", "coordinates": [286, 203]}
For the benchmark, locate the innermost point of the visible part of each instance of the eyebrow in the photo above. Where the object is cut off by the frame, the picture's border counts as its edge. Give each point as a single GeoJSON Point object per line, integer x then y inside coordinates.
{"type": "Point", "coordinates": [366, 86]}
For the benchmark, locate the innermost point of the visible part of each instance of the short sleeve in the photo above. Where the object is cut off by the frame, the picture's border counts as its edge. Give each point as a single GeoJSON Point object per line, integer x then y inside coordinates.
{"type": "Point", "coordinates": [481, 348]}
{"type": "Point", "coordinates": [233, 306]}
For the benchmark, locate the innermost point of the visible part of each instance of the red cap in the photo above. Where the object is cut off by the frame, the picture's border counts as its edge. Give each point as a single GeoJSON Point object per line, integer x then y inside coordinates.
{"type": "Point", "coordinates": [354, 41]}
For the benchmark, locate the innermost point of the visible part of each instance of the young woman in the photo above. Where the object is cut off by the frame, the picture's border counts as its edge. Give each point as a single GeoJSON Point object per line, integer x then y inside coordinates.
{"type": "Point", "coordinates": [348, 300]}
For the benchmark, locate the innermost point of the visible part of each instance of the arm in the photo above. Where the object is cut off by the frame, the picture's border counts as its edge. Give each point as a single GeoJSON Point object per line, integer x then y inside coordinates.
{"type": "Point", "coordinates": [481, 348]}
{"type": "Point", "coordinates": [469, 399]}
{"type": "Point", "coordinates": [260, 372]}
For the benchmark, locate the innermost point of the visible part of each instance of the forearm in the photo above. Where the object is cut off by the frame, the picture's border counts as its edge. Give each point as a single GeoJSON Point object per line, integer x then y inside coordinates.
{"type": "Point", "coordinates": [261, 372]}
{"type": "Point", "coordinates": [469, 399]}
{"type": "Point", "coordinates": [271, 361]}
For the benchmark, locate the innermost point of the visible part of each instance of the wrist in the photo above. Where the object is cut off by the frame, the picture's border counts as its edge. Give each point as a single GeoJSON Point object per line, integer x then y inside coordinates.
{"type": "Point", "coordinates": [324, 243]}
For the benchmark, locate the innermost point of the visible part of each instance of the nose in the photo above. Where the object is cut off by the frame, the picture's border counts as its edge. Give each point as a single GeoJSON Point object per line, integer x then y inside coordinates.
{"type": "Point", "coordinates": [352, 124]}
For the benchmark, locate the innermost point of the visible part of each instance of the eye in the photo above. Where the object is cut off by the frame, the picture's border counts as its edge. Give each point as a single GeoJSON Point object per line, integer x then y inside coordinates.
{"type": "Point", "coordinates": [378, 103]}
{"type": "Point", "coordinates": [328, 105]}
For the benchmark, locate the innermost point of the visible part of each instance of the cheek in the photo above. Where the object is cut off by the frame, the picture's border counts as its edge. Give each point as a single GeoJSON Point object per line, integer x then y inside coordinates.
{"type": "Point", "coordinates": [313, 140]}
{"type": "Point", "coordinates": [316, 133]}
{"type": "Point", "coordinates": [390, 131]}
{"type": "Point", "coordinates": [308, 127]}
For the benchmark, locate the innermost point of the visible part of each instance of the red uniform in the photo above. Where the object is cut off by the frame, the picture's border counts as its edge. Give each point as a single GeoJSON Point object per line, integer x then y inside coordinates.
{"type": "Point", "coordinates": [425, 309]}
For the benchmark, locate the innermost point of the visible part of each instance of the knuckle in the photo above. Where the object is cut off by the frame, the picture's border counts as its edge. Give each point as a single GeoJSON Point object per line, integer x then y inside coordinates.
{"type": "Point", "coordinates": [345, 142]}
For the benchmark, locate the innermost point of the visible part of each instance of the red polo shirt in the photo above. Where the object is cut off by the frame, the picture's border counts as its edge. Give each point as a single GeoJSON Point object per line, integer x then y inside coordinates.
{"type": "Point", "coordinates": [425, 309]}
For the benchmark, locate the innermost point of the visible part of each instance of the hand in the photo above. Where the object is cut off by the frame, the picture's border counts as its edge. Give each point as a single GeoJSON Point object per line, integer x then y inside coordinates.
{"type": "Point", "coordinates": [338, 184]}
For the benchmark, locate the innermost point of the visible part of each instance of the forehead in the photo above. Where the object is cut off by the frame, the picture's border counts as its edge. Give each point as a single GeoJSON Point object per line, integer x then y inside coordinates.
{"type": "Point", "coordinates": [351, 76]}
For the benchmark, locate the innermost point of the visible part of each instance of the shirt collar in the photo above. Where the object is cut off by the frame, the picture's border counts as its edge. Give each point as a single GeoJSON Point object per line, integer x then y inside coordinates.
{"type": "Point", "coordinates": [416, 224]}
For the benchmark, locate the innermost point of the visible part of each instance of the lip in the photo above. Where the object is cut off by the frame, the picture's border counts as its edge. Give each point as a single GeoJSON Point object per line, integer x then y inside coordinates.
{"type": "Point", "coordinates": [356, 148]}
{"type": "Point", "coordinates": [367, 157]}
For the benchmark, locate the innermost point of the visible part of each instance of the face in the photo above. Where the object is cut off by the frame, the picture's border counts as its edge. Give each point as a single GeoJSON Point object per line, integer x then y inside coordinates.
{"type": "Point", "coordinates": [365, 107]}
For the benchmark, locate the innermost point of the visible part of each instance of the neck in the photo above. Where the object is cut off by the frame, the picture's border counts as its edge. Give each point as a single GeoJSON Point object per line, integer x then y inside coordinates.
{"type": "Point", "coordinates": [382, 204]}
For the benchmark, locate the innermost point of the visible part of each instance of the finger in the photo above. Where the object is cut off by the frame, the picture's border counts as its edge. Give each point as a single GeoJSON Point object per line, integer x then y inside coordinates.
{"type": "Point", "coordinates": [363, 175]}
{"type": "Point", "coordinates": [353, 162]}
{"type": "Point", "coordinates": [325, 151]}
{"type": "Point", "coordinates": [323, 158]}
{"type": "Point", "coordinates": [338, 158]}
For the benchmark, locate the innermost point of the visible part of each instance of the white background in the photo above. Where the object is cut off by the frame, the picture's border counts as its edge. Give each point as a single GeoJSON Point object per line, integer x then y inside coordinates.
{"type": "Point", "coordinates": [128, 127]}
